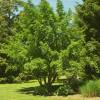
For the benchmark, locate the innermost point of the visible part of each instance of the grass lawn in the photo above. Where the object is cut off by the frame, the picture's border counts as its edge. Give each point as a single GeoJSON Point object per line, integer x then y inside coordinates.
{"type": "Point", "coordinates": [12, 92]}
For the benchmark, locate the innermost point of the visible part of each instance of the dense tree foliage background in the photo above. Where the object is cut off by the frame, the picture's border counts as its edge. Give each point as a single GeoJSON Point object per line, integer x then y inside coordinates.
{"type": "Point", "coordinates": [40, 43]}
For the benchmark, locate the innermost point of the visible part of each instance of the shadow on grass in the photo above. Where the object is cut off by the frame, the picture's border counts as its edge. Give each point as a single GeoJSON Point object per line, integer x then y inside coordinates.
{"type": "Point", "coordinates": [38, 90]}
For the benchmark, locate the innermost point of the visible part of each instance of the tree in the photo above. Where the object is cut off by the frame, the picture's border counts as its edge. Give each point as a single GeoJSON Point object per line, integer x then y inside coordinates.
{"type": "Point", "coordinates": [16, 47]}
{"type": "Point", "coordinates": [46, 68]}
{"type": "Point", "coordinates": [7, 19]}
{"type": "Point", "coordinates": [81, 60]}
{"type": "Point", "coordinates": [43, 48]}
{"type": "Point", "coordinates": [63, 26]}
{"type": "Point", "coordinates": [42, 33]}
{"type": "Point", "coordinates": [7, 16]}
{"type": "Point", "coordinates": [89, 14]}
{"type": "Point", "coordinates": [60, 10]}
{"type": "Point", "coordinates": [16, 51]}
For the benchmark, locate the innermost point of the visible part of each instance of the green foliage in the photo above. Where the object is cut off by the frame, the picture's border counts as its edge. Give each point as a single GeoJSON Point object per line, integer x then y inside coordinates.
{"type": "Point", "coordinates": [91, 89]}
{"type": "Point", "coordinates": [17, 80]}
{"type": "Point", "coordinates": [60, 9]}
{"type": "Point", "coordinates": [89, 14]}
{"type": "Point", "coordinates": [10, 79]}
{"type": "Point", "coordinates": [37, 67]}
{"type": "Point", "coordinates": [44, 69]}
{"type": "Point", "coordinates": [16, 52]}
{"type": "Point", "coordinates": [40, 91]}
{"type": "Point", "coordinates": [64, 90]}
{"type": "Point", "coordinates": [43, 44]}
{"type": "Point", "coordinates": [3, 64]}
{"type": "Point", "coordinates": [3, 80]}
{"type": "Point", "coordinates": [74, 82]}
{"type": "Point", "coordinates": [71, 59]}
{"type": "Point", "coordinates": [92, 59]}
{"type": "Point", "coordinates": [7, 28]}
{"type": "Point", "coordinates": [7, 18]}
{"type": "Point", "coordinates": [81, 59]}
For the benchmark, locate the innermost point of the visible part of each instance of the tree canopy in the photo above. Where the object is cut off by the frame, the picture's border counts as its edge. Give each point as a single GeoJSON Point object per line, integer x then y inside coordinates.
{"type": "Point", "coordinates": [46, 44]}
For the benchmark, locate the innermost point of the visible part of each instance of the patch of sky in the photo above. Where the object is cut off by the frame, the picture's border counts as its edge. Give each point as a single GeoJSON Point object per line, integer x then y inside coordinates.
{"type": "Point", "coordinates": [67, 3]}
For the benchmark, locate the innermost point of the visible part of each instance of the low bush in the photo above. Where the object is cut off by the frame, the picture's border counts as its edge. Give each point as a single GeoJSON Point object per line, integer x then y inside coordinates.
{"type": "Point", "coordinates": [91, 89]}
{"type": "Point", "coordinates": [3, 80]}
{"type": "Point", "coordinates": [10, 79]}
{"type": "Point", "coordinates": [64, 90]}
{"type": "Point", "coordinates": [40, 91]}
{"type": "Point", "coordinates": [74, 83]}
{"type": "Point", "coordinates": [25, 77]}
{"type": "Point", "coordinates": [17, 80]}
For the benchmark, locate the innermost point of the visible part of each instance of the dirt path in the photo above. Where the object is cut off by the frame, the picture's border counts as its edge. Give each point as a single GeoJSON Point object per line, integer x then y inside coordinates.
{"type": "Point", "coordinates": [79, 97]}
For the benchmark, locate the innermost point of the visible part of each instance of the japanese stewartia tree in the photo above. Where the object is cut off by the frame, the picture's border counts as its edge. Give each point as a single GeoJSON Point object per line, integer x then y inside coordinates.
{"type": "Point", "coordinates": [46, 68]}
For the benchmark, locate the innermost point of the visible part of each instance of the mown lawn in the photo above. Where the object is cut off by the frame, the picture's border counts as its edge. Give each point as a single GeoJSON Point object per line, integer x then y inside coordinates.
{"type": "Point", "coordinates": [12, 92]}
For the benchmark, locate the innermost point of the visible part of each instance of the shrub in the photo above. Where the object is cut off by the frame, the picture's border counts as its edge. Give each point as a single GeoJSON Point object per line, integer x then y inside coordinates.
{"type": "Point", "coordinates": [17, 80]}
{"type": "Point", "coordinates": [74, 83]}
{"type": "Point", "coordinates": [25, 76]}
{"type": "Point", "coordinates": [40, 91]}
{"type": "Point", "coordinates": [3, 80]}
{"type": "Point", "coordinates": [10, 79]}
{"type": "Point", "coordinates": [64, 90]}
{"type": "Point", "coordinates": [91, 89]}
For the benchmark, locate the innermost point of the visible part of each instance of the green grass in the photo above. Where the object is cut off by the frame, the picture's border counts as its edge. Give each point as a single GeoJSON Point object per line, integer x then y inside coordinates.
{"type": "Point", "coordinates": [12, 92]}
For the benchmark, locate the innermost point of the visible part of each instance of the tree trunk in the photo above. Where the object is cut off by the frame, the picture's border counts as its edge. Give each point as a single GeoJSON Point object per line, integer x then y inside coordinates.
{"type": "Point", "coordinates": [40, 82]}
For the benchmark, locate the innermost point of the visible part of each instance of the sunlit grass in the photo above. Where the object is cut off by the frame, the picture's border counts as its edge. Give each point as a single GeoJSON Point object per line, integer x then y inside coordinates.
{"type": "Point", "coordinates": [11, 92]}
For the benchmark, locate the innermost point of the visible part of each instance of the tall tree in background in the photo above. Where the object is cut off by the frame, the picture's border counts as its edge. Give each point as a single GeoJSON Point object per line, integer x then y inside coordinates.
{"type": "Point", "coordinates": [8, 9]}
{"type": "Point", "coordinates": [18, 41]}
{"type": "Point", "coordinates": [89, 14]}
